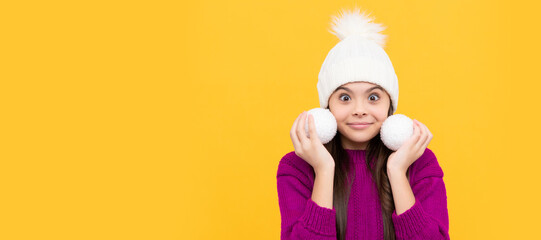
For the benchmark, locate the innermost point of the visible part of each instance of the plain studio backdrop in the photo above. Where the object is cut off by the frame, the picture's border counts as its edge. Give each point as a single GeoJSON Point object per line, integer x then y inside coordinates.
{"type": "Point", "coordinates": [167, 119]}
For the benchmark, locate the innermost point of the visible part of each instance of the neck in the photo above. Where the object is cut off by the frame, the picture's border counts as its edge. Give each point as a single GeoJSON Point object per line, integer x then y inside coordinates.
{"type": "Point", "coordinates": [347, 144]}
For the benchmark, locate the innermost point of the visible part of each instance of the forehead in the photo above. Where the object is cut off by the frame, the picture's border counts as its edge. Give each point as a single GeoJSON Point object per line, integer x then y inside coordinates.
{"type": "Point", "coordinates": [359, 86]}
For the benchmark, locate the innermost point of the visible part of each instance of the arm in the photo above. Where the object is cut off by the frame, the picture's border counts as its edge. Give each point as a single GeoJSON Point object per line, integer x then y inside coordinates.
{"type": "Point", "coordinates": [420, 210]}
{"type": "Point", "coordinates": [402, 193]}
{"type": "Point", "coordinates": [302, 215]}
{"type": "Point", "coordinates": [323, 187]}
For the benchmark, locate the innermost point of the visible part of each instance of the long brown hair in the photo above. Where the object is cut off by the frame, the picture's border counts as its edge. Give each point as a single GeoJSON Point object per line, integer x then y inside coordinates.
{"type": "Point", "coordinates": [343, 179]}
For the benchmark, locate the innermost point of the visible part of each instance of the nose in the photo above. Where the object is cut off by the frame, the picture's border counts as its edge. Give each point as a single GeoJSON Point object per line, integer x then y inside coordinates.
{"type": "Point", "coordinates": [359, 109]}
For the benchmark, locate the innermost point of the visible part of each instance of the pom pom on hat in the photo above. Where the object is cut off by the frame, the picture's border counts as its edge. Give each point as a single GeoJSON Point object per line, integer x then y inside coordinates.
{"type": "Point", "coordinates": [357, 23]}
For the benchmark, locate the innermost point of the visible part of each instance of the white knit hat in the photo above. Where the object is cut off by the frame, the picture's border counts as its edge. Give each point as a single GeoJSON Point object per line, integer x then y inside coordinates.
{"type": "Point", "coordinates": [359, 56]}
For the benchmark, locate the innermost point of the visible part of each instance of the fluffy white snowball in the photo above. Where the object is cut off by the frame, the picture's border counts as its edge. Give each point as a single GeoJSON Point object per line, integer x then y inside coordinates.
{"type": "Point", "coordinates": [325, 124]}
{"type": "Point", "coordinates": [396, 130]}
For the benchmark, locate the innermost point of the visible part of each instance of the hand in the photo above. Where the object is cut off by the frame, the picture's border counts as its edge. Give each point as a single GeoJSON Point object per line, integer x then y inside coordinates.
{"type": "Point", "coordinates": [310, 148]}
{"type": "Point", "coordinates": [411, 150]}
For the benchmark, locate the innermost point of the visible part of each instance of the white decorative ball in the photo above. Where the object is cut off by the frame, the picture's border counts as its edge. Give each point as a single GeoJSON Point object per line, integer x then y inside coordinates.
{"type": "Point", "coordinates": [325, 123]}
{"type": "Point", "coordinates": [396, 130]}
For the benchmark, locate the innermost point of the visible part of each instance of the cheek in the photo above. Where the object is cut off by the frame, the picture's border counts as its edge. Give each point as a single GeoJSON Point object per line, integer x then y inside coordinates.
{"type": "Point", "coordinates": [381, 113]}
{"type": "Point", "coordinates": [338, 112]}
{"type": "Point", "coordinates": [340, 115]}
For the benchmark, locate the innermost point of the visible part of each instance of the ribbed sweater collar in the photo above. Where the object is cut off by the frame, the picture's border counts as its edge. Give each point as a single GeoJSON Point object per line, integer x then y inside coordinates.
{"type": "Point", "coordinates": [355, 151]}
{"type": "Point", "coordinates": [358, 156]}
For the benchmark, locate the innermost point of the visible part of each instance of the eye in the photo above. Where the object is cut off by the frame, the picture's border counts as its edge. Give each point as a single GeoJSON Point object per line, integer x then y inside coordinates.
{"type": "Point", "coordinates": [374, 95]}
{"type": "Point", "coordinates": [343, 95]}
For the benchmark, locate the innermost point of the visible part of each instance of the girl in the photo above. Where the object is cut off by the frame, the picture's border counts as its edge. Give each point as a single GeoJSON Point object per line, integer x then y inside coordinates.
{"type": "Point", "coordinates": [354, 187]}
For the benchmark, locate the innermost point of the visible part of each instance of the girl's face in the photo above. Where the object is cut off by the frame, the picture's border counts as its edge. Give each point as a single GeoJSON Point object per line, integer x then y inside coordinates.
{"type": "Point", "coordinates": [359, 102]}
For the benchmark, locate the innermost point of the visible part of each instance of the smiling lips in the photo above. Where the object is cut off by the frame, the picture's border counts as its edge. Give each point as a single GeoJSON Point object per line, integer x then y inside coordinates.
{"type": "Point", "coordinates": [359, 125]}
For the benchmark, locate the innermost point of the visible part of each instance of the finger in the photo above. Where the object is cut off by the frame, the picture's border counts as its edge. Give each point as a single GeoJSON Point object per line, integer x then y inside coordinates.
{"type": "Point", "coordinates": [427, 132]}
{"type": "Point", "coordinates": [300, 128]}
{"type": "Point", "coordinates": [293, 133]}
{"type": "Point", "coordinates": [429, 137]}
{"type": "Point", "coordinates": [421, 145]}
{"type": "Point", "coordinates": [422, 136]}
{"type": "Point", "coordinates": [425, 144]}
{"type": "Point", "coordinates": [416, 133]}
{"type": "Point", "coordinates": [312, 128]}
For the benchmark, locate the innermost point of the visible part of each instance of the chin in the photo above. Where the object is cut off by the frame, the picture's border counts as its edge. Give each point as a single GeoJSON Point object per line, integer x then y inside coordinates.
{"type": "Point", "coordinates": [359, 137]}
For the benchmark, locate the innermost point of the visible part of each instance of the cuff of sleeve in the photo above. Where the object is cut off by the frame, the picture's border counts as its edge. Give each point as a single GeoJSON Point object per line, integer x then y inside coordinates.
{"type": "Point", "coordinates": [319, 219]}
{"type": "Point", "coordinates": [410, 222]}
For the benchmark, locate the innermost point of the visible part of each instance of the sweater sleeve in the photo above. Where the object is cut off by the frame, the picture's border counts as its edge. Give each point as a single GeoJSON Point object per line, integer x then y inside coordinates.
{"type": "Point", "coordinates": [428, 217]}
{"type": "Point", "coordinates": [302, 218]}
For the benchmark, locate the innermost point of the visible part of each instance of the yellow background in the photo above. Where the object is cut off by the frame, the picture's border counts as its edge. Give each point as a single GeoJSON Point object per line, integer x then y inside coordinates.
{"type": "Point", "coordinates": [167, 119]}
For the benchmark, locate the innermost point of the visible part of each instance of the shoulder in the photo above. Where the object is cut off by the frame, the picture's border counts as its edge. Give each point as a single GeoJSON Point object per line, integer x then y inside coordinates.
{"type": "Point", "coordinates": [293, 165]}
{"type": "Point", "coordinates": [426, 165]}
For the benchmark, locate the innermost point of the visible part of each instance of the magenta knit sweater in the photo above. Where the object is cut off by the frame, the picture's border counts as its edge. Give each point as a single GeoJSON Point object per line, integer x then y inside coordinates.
{"type": "Point", "coordinates": [302, 218]}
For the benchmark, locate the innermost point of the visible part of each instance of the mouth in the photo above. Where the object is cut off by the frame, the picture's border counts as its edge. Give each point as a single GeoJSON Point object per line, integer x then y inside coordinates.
{"type": "Point", "coordinates": [359, 125]}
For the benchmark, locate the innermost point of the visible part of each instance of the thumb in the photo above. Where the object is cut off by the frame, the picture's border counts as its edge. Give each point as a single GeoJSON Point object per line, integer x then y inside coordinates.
{"type": "Point", "coordinates": [312, 126]}
{"type": "Point", "coordinates": [415, 136]}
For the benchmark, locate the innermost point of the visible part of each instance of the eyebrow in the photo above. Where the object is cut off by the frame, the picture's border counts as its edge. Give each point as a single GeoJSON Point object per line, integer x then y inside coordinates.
{"type": "Point", "coordinates": [368, 90]}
